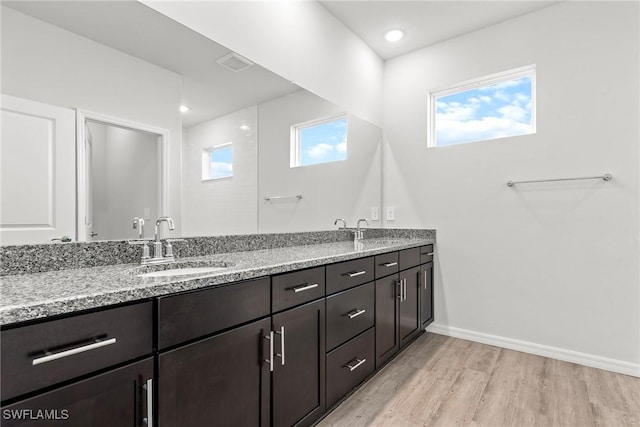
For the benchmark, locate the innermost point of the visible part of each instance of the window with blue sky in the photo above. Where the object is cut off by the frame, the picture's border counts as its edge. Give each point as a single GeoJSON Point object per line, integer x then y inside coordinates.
{"type": "Point", "coordinates": [494, 107]}
{"type": "Point", "coordinates": [217, 162]}
{"type": "Point", "coordinates": [319, 141]}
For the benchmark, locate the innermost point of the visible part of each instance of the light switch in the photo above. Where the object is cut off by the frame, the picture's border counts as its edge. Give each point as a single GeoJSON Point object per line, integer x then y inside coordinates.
{"type": "Point", "coordinates": [375, 213]}
{"type": "Point", "coordinates": [391, 213]}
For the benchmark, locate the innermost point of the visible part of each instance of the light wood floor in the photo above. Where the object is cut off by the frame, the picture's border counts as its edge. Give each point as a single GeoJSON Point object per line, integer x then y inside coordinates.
{"type": "Point", "coordinates": [443, 381]}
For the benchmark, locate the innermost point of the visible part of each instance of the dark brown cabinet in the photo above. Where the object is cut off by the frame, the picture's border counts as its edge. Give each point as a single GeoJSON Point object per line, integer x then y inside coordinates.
{"type": "Point", "coordinates": [409, 310]}
{"type": "Point", "coordinates": [387, 336]}
{"type": "Point", "coordinates": [398, 307]}
{"type": "Point", "coordinates": [426, 294]}
{"type": "Point", "coordinates": [116, 398]}
{"type": "Point", "coordinates": [298, 380]}
{"type": "Point", "coordinates": [218, 381]}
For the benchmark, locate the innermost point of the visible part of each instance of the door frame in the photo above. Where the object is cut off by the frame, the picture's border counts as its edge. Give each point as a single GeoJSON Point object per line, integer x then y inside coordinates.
{"type": "Point", "coordinates": [82, 116]}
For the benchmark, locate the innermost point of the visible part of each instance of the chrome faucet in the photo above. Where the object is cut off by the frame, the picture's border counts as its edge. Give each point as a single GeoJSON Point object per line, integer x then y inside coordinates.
{"type": "Point", "coordinates": [344, 223]}
{"type": "Point", "coordinates": [359, 233]}
{"type": "Point", "coordinates": [157, 244]}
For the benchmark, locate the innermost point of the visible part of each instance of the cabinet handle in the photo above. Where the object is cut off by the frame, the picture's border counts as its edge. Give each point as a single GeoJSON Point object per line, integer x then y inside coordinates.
{"type": "Point", "coordinates": [356, 313]}
{"type": "Point", "coordinates": [303, 287]}
{"type": "Point", "coordinates": [390, 264]}
{"type": "Point", "coordinates": [404, 289]}
{"type": "Point", "coordinates": [355, 273]}
{"type": "Point", "coordinates": [270, 359]}
{"type": "Point", "coordinates": [354, 367]}
{"type": "Point", "coordinates": [425, 280]}
{"type": "Point", "coordinates": [427, 253]}
{"type": "Point", "coordinates": [281, 333]}
{"type": "Point", "coordinates": [55, 356]}
{"type": "Point", "coordinates": [399, 290]}
{"type": "Point", "coordinates": [148, 387]}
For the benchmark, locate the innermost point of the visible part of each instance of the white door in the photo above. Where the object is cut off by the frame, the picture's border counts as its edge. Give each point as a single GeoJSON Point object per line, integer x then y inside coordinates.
{"type": "Point", "coordinates": [88, 182]}
{"type": "Point", "coordinates": [37, 172]}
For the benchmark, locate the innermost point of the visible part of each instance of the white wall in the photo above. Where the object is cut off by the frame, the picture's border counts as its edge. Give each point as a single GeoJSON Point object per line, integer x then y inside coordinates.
{"type": "Point", "coordinates": [551, 267]}
{"type": "Point", "coordinates": [47, 64]}
{"type": "Point", "coordinates": [345, 189]}
{"type": "Point", "coordinates": [229, 205]}
{"type": "Point", "coordinates": [299, 40]}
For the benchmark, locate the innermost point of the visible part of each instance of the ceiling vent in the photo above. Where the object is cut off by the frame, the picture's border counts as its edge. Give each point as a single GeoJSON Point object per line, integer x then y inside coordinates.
{"type": "Point", "coordinates": [234, 62]}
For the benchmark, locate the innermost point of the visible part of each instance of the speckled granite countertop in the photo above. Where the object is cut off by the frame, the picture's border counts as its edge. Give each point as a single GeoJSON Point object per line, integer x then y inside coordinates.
{"type": "Point", "coordinates": [27, 297]}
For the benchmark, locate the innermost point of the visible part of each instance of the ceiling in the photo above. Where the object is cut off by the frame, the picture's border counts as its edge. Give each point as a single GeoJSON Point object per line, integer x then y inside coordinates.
{"type": "Point", "coordinates": [133, 28]}
{"type": "Point", "coordinates": [425, 22]}
{"type": "Point", "coordinates": [211, 90]}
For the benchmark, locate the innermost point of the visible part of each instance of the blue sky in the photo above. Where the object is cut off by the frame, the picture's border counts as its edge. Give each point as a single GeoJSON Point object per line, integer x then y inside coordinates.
{"type": "Point", "coordinates": [221, 162]}
{"type": "Point", "coordinates": [498, 110]}
{"type": "Point", "coordinates": [322, 143]}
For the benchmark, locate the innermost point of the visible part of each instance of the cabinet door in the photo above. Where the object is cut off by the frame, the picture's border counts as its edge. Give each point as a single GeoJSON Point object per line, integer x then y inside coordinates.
{"type": "Point", "coordinates": [426, 294]}
{"type": "Point", "coordinates": [218, 381]}
{"type": "Point", "coordinates": [298, 380]}
{"type": "Point", "coordinates": [409, 305]}
{"type": "Point", "coordinates": [115, 398]}
{"type": "Point", "coordinates": [387, 301]}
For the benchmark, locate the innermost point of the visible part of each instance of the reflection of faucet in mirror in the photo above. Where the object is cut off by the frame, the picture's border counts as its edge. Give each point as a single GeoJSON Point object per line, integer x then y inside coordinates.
{"type": "Point", "coordinates": [138, 224]}
{"type": "Point", "coordinates": [344, 223]}
{"type": "Point", "coordinates": [359, 233]}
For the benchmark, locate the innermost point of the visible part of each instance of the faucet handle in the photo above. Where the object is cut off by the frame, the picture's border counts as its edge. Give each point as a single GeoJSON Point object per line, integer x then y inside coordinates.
{"type": "Point", "coordinates": [138, 223]}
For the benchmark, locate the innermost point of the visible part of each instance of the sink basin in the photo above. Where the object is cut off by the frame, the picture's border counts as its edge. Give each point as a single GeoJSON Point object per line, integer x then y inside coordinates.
{"type": "Point", "coordinates": [181, 268]}
{"type": "Point", "coordinates": [185, 271]}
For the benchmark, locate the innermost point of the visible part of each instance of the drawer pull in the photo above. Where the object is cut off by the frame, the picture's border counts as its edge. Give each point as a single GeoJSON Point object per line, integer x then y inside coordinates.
{"type": "Point", "coordinates": [281, 354]}
{"type": "Point", "coordinates": [355, 273]}
{"type": "Point", "coordinates": [427, 253]}
{"type": "Point", "coordinates": [270, 359]}
{"type": "Point", "coordinates": [303, 287]}
{"type": "Point", "coordinates": [357, 361]}
{"type": "Point", "coordinates": [71, 352]}
{"type": "Point", "coordinates": [148, 387]}
{"type": "Point", "coordinates": [390, 264]}
{"type": "Point", "coordinates": [356, 313]}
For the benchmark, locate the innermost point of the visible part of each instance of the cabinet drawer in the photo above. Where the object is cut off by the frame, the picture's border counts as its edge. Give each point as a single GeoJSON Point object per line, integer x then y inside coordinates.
{"type": "Point", "coordinates": [114, 398]}
{"type": "Point", "coordinates": [386, 264]}
{"type": "Point", "coordinates": [349, 365]}
{"type": "Point", "coordinates": [298, 287]}
{"type": "Point", "coordinates": [191, 315]}
{"type": "Point", "coordinates": [409, 258]}
{"type": "Point", "coordinates": [426, 254]}
{"type": "Point", "coordinates": [77, 345]}
{"type": "Point", "coordinates": [345, 275]}
{"type": "Point", "coordinates": [349, 313]}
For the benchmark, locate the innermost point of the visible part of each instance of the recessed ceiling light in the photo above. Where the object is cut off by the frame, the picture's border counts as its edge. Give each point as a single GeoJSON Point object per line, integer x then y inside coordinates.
{"type": "Point", "coordinates": [393, 35]}
{"type": "Point", "coordinates": [184, 108]}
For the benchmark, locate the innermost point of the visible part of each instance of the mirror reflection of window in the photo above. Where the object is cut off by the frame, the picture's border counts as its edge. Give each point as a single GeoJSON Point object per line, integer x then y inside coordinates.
{"type": "Point", "coordinates": [319, 141]}
{"type": "Point", "coordinates": [217, 162]}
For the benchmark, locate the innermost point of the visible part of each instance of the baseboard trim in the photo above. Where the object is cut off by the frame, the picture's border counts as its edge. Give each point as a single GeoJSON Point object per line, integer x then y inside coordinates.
{"type": "Point", "coordinates": [608, 364]}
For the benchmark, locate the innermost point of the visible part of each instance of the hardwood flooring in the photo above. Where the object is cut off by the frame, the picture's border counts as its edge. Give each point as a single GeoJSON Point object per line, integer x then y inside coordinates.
{"type": "Point", "coordinates": [443, 381]}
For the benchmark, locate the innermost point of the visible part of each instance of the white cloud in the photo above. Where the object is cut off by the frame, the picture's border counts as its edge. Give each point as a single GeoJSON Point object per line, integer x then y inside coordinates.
{"type": "Point", "coordinates": [342, 147]}
{"type": "Point", "coordinates": [451, 131]}
{"type": "Point", "coordinates": [320, 151]}
{"type": "Point", "coordinates": [221, 169]}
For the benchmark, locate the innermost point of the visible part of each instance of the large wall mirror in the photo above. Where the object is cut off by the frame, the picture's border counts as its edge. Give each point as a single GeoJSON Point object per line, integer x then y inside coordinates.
{"type": "Point", "coordinates": [253, 154]}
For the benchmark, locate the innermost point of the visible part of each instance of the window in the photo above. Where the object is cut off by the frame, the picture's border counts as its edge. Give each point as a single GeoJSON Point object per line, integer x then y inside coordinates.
{"type": "Point", "coordinates": [492, 107]}
{"type": "Point", "coordinates": [217, 162]}
{"type": "Point", "coordinates": [319, 141]}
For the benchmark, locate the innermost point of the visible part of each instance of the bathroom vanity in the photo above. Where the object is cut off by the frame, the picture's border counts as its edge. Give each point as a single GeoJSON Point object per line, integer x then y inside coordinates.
{"type": "Point", "coordinates": [277, 337]}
